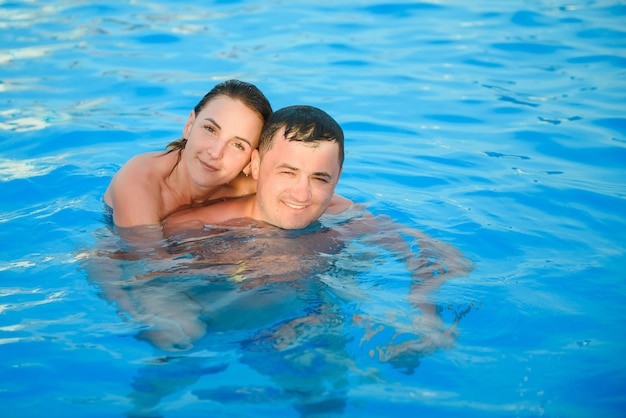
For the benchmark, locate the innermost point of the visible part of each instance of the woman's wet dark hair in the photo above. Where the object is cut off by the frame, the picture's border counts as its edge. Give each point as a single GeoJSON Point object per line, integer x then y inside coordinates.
{"type": "Point", "coordinates": [247, 93]}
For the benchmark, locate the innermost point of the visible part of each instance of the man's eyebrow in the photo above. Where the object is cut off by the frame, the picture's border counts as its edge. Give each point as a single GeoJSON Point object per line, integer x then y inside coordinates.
{"type": "Point", "coordinates": [316, 174]}
{"type": "Point", "coordinates": [219, 127]}
{"type": "Point", "coordinates": [323, 174]}
{"type": "Point", "coordinates": [287, 166]}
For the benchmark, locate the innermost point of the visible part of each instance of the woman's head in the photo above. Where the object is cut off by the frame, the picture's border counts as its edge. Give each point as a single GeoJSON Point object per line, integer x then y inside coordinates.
{"type": "Point", "coordinates": [246, 93]}
{"type": "Point", "coordinates": [221, 133]}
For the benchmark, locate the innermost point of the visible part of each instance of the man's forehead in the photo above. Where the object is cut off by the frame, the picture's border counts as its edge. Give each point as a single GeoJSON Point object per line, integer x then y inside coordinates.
{"type": "Point", "coordinates": [318, 157]}
{"type": "Point", "coordinates": [282, 143]}
{"type": "Point", "coordinates": [280, 134]}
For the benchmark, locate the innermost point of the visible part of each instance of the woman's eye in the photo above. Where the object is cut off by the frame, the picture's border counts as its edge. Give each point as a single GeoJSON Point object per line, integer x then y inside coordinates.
{"type": "Point", "coordinates": [240, 146]}
{"type": "Point", "coordinates": [210, 128]}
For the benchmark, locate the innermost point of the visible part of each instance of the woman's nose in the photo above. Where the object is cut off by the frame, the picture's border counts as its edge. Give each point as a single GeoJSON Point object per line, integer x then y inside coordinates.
{"type": "Point", "coordinates": [216, 149]}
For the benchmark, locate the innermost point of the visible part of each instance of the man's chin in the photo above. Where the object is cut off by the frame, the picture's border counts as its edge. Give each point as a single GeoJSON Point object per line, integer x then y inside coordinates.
{"type": "Point", "coordinates": [295, 224]}
{"type": "Point", "coordinates": [292, 227]}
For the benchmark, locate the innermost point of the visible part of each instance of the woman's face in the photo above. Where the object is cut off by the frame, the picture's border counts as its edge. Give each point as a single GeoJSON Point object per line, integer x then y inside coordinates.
{"type": "Point", "coordinates": [220, 139]}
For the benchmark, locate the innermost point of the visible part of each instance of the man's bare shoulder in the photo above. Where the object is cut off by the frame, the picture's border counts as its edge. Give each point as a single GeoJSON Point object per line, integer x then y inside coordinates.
{"type": "Point", "coordinates": [338, 204]}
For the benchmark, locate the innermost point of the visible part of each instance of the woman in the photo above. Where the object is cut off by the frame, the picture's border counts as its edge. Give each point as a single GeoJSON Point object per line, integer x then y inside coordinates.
{"type": "Point", "coordinates": [211, 161]}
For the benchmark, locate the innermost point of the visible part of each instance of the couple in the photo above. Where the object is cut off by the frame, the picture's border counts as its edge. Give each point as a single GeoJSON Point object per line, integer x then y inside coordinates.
{"type": "Point", "coordinates": [294, 157]}
{"type": "Point", "coordinates": [238, 159]}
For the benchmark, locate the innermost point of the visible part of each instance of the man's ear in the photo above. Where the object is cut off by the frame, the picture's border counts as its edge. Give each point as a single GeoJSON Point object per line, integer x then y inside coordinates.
{"type": "Point", "coordinates": [255, 164]}
{"type": "Point", "coordinates": [188, 124]}
{"type": "Point", "coordinates": [338, 177]}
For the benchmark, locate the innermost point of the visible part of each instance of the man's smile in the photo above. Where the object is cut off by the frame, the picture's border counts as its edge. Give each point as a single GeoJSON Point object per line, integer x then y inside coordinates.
{"type": "Point", "coordinates": [294, 206]}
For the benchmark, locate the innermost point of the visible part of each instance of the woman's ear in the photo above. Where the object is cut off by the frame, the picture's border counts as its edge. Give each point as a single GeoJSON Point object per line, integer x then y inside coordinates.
{"type": "Point", "coordinates": [255, 163]}
{"type": "Point", "coordinates": [189, 124]}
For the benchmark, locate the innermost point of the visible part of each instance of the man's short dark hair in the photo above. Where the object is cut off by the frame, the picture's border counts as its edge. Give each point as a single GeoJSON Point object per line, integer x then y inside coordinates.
{"type": "Point", "coordinates": [302, 123]}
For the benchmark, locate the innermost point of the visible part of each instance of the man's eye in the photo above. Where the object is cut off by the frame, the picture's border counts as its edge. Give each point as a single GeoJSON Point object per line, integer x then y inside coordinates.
{"type": "Point", "coordinates": [240, 146]}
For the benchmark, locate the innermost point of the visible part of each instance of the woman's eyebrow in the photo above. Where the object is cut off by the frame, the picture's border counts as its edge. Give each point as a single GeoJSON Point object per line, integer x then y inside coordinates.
{"type": "Point", "coordinates": [245, 140]}
{"type": "Point", "coordinates": [213, 122]}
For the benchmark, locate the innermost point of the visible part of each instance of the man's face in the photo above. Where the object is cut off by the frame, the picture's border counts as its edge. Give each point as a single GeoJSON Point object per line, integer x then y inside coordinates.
{"type": "Point", "coordinates": [295, 181]}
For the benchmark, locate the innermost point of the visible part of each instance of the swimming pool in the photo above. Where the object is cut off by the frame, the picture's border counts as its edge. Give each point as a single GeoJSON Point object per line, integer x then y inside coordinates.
{"type": "Point", "coordinates": [497, 127]}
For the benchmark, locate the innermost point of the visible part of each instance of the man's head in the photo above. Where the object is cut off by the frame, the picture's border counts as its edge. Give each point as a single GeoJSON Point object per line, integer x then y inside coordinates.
{"type": "Point", "coordinates": [297, 166]}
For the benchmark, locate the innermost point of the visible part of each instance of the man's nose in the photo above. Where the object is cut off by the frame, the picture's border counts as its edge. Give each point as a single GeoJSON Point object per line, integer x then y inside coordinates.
{"type": "Point", "coordinates": [301, 189]}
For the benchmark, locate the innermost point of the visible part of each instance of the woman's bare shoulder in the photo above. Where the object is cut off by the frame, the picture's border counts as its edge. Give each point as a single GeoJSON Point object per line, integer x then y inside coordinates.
{"type": "Point", "coordinates": [148, 161]}
{"type": "Point", "coordinates": [141, 177]}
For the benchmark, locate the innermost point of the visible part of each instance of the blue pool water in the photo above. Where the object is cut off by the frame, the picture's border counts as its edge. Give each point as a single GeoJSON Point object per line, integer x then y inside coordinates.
{"type": "Point", "coordinates": [497, 127]}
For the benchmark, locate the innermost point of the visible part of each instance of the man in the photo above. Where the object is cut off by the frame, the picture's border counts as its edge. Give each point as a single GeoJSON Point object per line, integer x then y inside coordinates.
{"type": "Point", "coordinates": [297, 167]}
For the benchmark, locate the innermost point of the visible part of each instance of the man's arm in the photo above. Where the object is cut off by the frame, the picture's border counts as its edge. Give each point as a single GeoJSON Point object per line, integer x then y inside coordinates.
{"type": "Point", "coordinates": [430, 261]}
